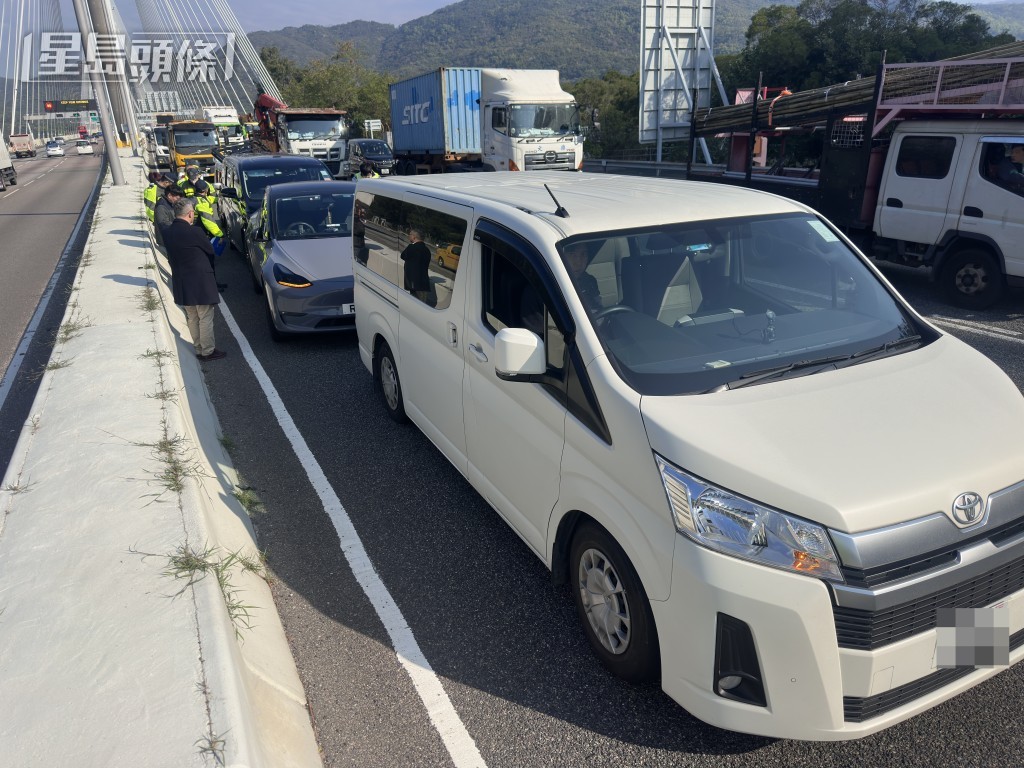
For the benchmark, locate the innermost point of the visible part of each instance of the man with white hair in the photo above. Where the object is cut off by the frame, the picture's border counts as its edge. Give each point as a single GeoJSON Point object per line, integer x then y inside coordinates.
{"type": "Point", "coordinates": [193, 284]}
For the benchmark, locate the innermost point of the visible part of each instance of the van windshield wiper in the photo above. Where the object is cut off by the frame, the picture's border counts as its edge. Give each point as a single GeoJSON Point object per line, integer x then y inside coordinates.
{"type": "Point", "coordinates": [850, 359]}
{"type": "Point", "coordinates": [884, 349]}
{"type": "Point", "coordinates": [770, 373]}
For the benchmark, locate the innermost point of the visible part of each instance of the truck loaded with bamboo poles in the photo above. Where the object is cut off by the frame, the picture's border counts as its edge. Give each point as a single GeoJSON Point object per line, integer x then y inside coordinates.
{"type": "Point", "coordinates": [919, 166]}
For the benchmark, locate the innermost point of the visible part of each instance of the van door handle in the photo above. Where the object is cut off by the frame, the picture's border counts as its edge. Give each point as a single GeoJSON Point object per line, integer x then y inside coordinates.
{"type": "Point", "coordinates": [894, 202]}
{"type": "Point", "coordinates": [453, 335]}
{"type": "Point", "coordinates": [973, 212]}
{"type": "Point", "coordinates": [478, 352]}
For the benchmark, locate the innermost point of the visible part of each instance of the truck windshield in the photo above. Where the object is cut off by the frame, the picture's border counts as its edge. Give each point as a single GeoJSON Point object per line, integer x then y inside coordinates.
{"type": "Point", "coordinates": [377, 149]}
{"type": "Point", "coordinates": [316, 129]}
{"type": "Point", "coordinates": [195, 141]}
{"type": "Point", "coordinates": [689, 308]}
{"type": "Point", "coordinates": [229, 131]}
{"type": "Point", "coordinates": [160, 135]}
{"type": "Point", "coordinates": [543, 119]}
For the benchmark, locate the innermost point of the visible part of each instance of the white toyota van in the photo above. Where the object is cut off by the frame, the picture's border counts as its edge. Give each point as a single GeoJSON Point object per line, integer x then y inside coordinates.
{"type": "Point", "coordinates": [768, 480]}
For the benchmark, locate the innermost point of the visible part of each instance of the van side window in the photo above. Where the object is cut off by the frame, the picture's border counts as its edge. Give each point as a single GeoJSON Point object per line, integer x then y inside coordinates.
{"type": "Point", "coordinates": [375, 234]}
{"type": "Point", "coordinates": [511, 299]}
{"type": "Point", "coordinates": [925, 157]}
{"type": "Point", "coordinates": [442, 235]}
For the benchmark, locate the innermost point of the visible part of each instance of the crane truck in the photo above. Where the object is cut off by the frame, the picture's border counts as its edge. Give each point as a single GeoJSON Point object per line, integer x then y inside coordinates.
{"type": "Point", "coordinates": [469, 118]}
{"type": "Point", "coordinates": [315, 132]}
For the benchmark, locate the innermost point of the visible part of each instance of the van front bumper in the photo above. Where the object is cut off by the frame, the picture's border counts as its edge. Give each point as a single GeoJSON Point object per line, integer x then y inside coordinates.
{"type": "Point", "coordinates": [813, 688]}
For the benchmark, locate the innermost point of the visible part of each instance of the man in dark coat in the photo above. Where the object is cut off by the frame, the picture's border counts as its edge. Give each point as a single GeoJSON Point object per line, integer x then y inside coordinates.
{"type": "Point", "coordinates": [163, 212]}
{"type": "Point", "coordinates": [192, 281]}
{"type": "Point", "coordinates": [417, 258]}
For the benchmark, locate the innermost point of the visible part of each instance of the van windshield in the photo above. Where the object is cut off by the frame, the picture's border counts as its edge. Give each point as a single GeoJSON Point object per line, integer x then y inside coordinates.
{"type": "Point", "coordinates": [693, 307]}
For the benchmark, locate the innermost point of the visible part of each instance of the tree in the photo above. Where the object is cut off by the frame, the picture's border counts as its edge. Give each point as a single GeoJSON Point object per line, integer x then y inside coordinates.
{"type": "Point", "coordinates": [342, 82]}
{"type": "Point", "coordinates": [284, 71]}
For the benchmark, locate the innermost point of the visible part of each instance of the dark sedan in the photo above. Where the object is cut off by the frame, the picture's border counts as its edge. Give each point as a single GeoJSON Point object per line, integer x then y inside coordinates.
{"type": "Point", "coordinates": [300, 253]}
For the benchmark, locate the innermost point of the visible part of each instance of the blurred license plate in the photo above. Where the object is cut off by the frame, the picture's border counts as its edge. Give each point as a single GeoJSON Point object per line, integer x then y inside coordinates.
{"type": "Point", "coordinates": [385, 171]}
{"type": "Point", "coordinates": [348, 309]}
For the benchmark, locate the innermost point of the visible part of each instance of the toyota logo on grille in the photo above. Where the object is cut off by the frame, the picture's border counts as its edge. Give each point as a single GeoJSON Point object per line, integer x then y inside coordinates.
{"type": "Point", "coordinates": [550, 157]}
{"type": "Point", "coordinates": [967, 508]}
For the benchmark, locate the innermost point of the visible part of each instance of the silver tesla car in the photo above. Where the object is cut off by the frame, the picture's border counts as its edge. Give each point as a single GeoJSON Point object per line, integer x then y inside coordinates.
{"type": "Point", "coordinates": [300, 253]}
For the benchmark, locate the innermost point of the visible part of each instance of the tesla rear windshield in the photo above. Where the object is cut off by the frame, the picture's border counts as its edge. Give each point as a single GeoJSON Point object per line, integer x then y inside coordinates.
{"type": "Point", "coordinates": [302, 217]}
{"type": "Point", "coordinates": [691, 307]}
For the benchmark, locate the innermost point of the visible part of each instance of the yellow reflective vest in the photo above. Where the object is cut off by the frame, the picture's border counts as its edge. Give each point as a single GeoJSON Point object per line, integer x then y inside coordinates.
{"type": "Point", "coordinates": [150, 195]}
{"type": "Point", "coordinates": [206, 216]}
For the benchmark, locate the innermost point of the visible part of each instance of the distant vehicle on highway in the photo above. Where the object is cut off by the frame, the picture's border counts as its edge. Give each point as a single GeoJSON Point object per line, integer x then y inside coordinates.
{"type": "Point", "coordinates": [7, 173]}
{"type": "Point", "coordinates": [243, 179]}
{"type": "Point", "coordinates": [53, 149]}
{"type": "Point", "coordinates": [299, 245]}
{"type": "Point", "coordinates": [23, 144]}
{"type": "Point", "coordinates": [83, 147]}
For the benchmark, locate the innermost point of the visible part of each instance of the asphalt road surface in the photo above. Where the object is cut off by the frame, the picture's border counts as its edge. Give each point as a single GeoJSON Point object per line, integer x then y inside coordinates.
{"type": "Point", "coordinates": [37, 216]}
{"type": "Point", "coordinates": [504, 643]}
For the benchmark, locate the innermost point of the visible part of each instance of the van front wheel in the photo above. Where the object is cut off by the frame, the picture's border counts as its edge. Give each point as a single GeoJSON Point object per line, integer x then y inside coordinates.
{"type": "Point", "coordinates": [971, 279]}
{"type": "Point", "coordinates": [389, 385]}
{"type": "Point", "coordinates": [613, 607]}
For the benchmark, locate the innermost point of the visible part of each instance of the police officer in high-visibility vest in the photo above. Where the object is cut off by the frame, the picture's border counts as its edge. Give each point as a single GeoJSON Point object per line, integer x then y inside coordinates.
{"type": "Point", "coordinates": [367, 172]}
{"type": "Point", "coordinates": [206, 218]}
{"type": "Point", "coordinates": [191, 180]}
{"type": "Point", "coordinates": [158, 183]}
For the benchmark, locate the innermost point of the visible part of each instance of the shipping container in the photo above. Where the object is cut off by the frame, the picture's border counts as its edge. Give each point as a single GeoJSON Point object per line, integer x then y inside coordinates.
{"type": "Point", "coordinates": [437, 113]}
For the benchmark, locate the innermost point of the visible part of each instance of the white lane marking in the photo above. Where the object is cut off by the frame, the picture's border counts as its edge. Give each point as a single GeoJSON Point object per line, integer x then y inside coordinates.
{"type": "Point", "coordinates": [982, 329]}
{"type": "Point", "coordinates": [445, 719]}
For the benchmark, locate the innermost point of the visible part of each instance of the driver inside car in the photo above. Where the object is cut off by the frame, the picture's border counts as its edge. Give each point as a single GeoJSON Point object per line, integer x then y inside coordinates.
{"type": "Point", "coordinates": [577, 258]}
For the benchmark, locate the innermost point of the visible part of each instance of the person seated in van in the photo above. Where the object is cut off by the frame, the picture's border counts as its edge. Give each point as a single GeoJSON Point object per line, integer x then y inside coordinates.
{"type": "Point", "coordinates": [417, 260]}
{"type": "Point", "coordinates": [577, 258]}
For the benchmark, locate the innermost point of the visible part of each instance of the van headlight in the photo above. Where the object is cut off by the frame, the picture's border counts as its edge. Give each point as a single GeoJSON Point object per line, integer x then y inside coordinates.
{"type": "Point", "coordinates": [740, 527]}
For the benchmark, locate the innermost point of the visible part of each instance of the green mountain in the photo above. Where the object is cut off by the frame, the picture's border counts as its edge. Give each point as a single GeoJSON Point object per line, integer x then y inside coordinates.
{"type": "Point", "coordinates": [578, 39]}
{"type": "Point", "coordinates": [1003, 17]}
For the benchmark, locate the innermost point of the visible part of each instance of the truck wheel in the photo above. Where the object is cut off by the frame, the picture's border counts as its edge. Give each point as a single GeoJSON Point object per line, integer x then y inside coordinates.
{"type": "Point", "coordinates": [971, 279]}
{"type": "Point", "coordinates": [612, 606]}
{"type": "Point", "coordinates": [388, 384]}
{"type": "Point", "coordinates": [409, 168]}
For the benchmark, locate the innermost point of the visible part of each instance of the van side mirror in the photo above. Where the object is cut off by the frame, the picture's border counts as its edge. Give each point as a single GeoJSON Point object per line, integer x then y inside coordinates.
{"type": "Point", "coordinates": [229, 192]}
{"type": "Point", "coordinates": [519, 355]}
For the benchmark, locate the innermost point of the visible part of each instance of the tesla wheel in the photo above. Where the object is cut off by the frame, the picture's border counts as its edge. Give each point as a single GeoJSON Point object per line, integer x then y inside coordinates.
{"type": "Point", "coordinates": [388, 383]}
{"type": "Point", "coordinates": [257, 280]}
{"type": "Point", "coordinates": [972, 279]}
{"type": "Point", "coordinates": [612, 606]}
{"type": "Point", "coordinates": [275, 334]}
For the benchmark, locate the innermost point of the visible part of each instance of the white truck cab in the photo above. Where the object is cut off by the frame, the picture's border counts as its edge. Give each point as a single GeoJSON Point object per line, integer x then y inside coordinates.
{"type": "Point", "coordinates": [703, 408]}
{"type": "Point", "coordinates": [952, 197]}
